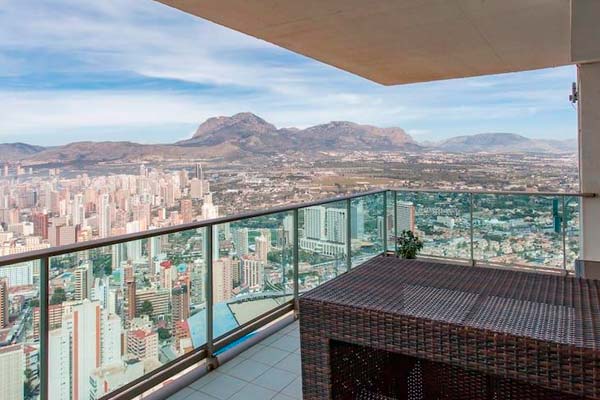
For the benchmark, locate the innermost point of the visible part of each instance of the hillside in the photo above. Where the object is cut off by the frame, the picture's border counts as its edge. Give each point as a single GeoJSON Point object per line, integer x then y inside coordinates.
{"type": "Point", "coordinates": [247, 135]}
{"type": "Point", "coordinates": [503, 143]}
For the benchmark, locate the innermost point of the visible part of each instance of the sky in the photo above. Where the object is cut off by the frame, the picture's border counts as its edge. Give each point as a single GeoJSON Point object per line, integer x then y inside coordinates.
{"type": "Point", "coordinates": [75, 70]}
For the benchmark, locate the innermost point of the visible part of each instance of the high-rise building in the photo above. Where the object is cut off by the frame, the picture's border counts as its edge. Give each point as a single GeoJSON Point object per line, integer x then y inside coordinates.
{"type": "Point", "coordinates": [262, 248]}
{"type": "Point", "coordinates": [101, 291]}
{"type": "Point", "coordinates": [314, 222]}
{"type": "Point", "coordinates": [11, 372]}
{"type": "Point", "coordinates": [55, 314]}
{"type": "Point", "coordinates": [111, 339]}
{"type": "Point", "coordinates": [84, 281]}
{"type": "Point", "coordinates": [180, 300]}
{"type": "Point", "coordinates": [288, 230]}
{"type": "Point", "coordinates": [406, 216]}
{"type": "Point", "coordinates": [209, 210]}
{"type": "Point", "coordinates": [159, 298]}
{"type": "Point", "coordinates": [131, 300]}
{"type": "Point", "coordinates": [118, 256]}
{"type": "Point", "coordinates": [197, 272]}
{"type": "Point", "coordinates": [167, 275]}
{"type": "Point", "coordinates": [40, 224]}
{"type": "Point", "coordinates": [186, 211]}
{"type": "Point", "coordinates": [196, 189]}
{"type": "Point", "coordinates": [336, 225]}
{"type": "Point", "coordinates": [357, 220]}
{"type": "Point", "coordinates": [222, 280]}
{"type": "Point", "coordinates": [18, 274]}
{"type": "Point", "coordinates": [240, 241]}
{"type": "Point", "coordinates": [78, 209]}
{"type": "Point", "coordinates": [134, 247]}
{"type": "Point", "coordinates": [60, 234]}
{"type": "Point", "coordinates": [75, 351]}
{"type": "Point", "coordinates": [142, 344]}
{"type": "Point", "coordinates": [104, 218]}
{"type": "Point", "coordinates": [60, 357]}
{"type": "Point", "coordinates": [154, 251]}
{"type": "Point", "coordinates": [253, 273]}
{"type": "Point", "coordinates": [4, 306]}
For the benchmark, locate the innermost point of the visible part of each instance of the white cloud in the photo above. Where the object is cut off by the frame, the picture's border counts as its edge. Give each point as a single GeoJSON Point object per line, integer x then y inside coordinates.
{"type": "Point", "coordinates": [146, 38]}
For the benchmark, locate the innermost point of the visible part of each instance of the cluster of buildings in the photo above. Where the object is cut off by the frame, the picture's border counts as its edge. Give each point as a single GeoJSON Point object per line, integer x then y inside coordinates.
{"type": "Point", "coordinates": [40, 212]}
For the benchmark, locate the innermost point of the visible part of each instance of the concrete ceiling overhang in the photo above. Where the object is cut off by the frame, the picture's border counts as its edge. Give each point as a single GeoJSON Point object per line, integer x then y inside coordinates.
{"type": "Point", "coordinates": [405, 41]}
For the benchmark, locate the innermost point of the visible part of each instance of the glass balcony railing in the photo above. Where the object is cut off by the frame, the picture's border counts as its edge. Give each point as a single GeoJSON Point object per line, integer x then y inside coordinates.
{"type": "Point", "coordinates": [117, 316]}
{"type": "Point", "coordinates": [522, 230]}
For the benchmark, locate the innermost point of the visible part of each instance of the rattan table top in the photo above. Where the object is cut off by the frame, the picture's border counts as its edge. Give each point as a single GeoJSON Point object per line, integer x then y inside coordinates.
{"type": "Point", "coordinates": [544, 307]}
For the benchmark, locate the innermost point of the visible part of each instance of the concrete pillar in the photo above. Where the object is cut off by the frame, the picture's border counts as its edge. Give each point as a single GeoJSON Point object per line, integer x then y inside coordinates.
{"type": "Point", "coordinates": [589, 168]}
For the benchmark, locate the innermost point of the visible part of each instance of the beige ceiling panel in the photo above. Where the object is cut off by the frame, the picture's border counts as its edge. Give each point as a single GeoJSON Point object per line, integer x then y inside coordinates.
{"type": "Point", "coordinates": [405, 41]}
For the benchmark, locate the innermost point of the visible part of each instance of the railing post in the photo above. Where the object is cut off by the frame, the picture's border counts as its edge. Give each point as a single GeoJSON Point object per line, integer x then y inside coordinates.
{"type": "Point", "coordinates": [385, 227]}
{"type": "Point", "coordinates": [44, 325]}
{"type": "Point", "coordinates": [211, 361]}
{"type": "Point", "coordinates": [564, 232]}
{"type": "Point", "coordinates": [471, 206]}
{"type": "Point", "coordinates": [296, 262]}
{"type": "Point", "coordinates": [395, 222]}
{"type": "Point", "coordinates": [349, 234]}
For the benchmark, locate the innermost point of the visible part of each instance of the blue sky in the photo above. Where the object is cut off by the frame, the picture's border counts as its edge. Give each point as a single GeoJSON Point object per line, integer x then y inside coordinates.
{"type": "Point", "coordinates": [138, 70]}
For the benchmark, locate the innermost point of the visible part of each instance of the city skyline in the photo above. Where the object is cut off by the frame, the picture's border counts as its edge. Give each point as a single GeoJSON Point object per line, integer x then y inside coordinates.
{"type": "Point", "coordinates": [142, 71]}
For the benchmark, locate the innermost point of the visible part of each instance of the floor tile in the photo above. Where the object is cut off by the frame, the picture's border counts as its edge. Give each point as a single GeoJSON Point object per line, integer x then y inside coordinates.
{"type": "Point", "coordinates": [200, 396]}
{"type": "Point", "coordinates": [281, 396]}
{"type": "Point", "coordinates": [269, 356]}
{"type": "Point", "coordinates": [251, 351]}
{"type": "Point", "coordinates": [273, 338]}
{"type": "Point", "coordinates": [182, 394]}
{"type": "Point", "coordinates": [287, 343]}
{"type": "Point", "coordinates": [294, 333]}
{"type": "Point", "coordinates": [294, 389]}
{"type": "Point", "coordinates": [253, 392]}
{"type": "Point", "coordinates": [230, 364]}
{"type": "Point", "coordinates": [223, 386]}
{"type": "Point", "coordinates": [206, 379]}
{"type": "Point", "coordinates": [275, 379]}
{"type": "Point", "coordinates": [291, 363]}
{"type": "Point", "coordinates": [248, 370]}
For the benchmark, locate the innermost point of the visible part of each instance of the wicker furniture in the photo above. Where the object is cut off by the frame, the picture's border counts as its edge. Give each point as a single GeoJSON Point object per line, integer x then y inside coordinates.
{"type": "Point", "coordinates": [407, 329]}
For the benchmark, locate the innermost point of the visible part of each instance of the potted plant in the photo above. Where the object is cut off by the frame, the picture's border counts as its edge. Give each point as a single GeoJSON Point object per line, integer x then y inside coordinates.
{"type": "Point", "coordinates": [409, 245]}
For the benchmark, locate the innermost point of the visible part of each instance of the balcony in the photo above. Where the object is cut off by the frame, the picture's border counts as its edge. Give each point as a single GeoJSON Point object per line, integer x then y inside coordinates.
{"type": "Point", "coordinates": [137, 314]}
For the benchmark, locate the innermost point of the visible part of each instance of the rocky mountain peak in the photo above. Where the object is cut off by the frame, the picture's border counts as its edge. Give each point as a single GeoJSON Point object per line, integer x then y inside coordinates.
{"type": "Point", "coordinates": [241, 122]}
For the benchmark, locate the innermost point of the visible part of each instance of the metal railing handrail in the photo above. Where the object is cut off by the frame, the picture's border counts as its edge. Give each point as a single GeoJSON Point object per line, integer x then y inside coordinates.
{"type": "Point", "coordinates": [496, 192]}
{"type": "Point", "coordinates": [120, 239]}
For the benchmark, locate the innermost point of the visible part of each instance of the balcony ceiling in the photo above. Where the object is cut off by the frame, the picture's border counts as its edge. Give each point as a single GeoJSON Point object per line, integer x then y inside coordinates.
{"type": "Point", "coordinates": [405, 41]}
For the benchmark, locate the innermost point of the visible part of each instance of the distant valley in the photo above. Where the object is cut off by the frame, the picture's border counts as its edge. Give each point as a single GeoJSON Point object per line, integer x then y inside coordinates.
{"type": "Point", "coordinates": [247, 135]}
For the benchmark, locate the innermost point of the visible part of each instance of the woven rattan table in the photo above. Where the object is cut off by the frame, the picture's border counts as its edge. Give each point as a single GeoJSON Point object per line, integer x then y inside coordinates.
{"type": "Point", "coordinates": [408, 329]}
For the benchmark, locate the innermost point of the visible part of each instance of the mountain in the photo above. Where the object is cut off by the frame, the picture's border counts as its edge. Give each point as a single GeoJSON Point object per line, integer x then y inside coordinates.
{"type": "Point", "coordinates": [240, 127]}
{"type": "Point", "coordinates": [17, 151]}
{"type": "Point", "coordinates": [94, 152]}
{"type": "Point", "coordinates": [343, 135]}
{"type": "Point", "coordinates": [504, 143]}
{"type": "Point", "coordinates": [247, 135]}
{"type": "Point", "coordinates": [253, 134]}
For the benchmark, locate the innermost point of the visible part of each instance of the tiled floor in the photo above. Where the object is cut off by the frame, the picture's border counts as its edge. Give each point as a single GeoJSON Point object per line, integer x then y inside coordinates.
{"type": "Point", "coordinates": [268, 370]}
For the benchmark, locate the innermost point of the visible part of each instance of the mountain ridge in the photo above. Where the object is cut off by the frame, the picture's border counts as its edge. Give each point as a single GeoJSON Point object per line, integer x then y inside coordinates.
{"type": "Point", "coordinates": [247, 135]}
